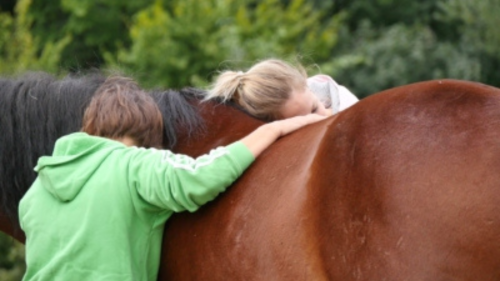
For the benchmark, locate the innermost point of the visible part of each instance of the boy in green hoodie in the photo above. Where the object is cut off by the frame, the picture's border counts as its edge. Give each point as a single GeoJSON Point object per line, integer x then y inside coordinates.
{"type": "Point", "coordinates": [99, 204]}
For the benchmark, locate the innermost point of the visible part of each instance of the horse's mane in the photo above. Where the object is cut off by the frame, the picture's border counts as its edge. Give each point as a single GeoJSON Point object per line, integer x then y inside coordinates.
{"type": "Point", "coordinates": [178, 112]}
{"type": "Point", "coordinates": [38, 108]}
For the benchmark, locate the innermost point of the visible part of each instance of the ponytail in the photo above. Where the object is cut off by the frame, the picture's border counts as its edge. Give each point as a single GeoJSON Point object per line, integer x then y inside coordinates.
{"type": "Point", "coordinates": [262, 90]}
{"type": "Point", "coordinates": [226, 86]}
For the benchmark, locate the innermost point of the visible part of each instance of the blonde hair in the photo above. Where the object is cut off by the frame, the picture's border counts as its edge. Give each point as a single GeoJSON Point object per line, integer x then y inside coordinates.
{"type": "Point", "coordinates": [263, 89]}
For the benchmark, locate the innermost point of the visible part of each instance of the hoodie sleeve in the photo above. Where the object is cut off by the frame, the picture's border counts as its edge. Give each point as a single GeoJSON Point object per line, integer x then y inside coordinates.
{"type": "Point", "coordinates": [178, 182]}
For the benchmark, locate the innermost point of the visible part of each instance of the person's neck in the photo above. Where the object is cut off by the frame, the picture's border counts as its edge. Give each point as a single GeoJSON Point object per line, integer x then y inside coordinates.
{"type": "Point", "coordinates": [126, 140]}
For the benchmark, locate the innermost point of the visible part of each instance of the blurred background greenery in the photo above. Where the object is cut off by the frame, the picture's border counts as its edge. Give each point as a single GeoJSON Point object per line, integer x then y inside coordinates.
{"type": "Point", "coordinates": [366, 45]}
{"type": "Point", "coordinates": [12, 264]}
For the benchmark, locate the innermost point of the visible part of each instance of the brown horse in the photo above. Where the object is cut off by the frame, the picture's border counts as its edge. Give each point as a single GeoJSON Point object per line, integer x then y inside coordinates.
{"type": "Point", "coordinates": [401, 186]}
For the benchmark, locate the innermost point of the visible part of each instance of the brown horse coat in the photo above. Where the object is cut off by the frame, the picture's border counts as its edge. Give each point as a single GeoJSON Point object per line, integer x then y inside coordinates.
{"type": "Point", "coordinates": [402, 186]}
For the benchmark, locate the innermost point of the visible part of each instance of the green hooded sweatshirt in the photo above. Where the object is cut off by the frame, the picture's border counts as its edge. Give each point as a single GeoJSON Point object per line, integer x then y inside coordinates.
{"type": "Point", "coordinates": [97, 208]}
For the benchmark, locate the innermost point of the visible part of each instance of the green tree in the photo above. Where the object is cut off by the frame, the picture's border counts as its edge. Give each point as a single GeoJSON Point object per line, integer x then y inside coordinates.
{"type": "Point", "coordinates": [12, 266]}
{"type": "Point", "coordinates": [378, 59]}
{"type": "Point", "coordinates": [477, 22]}
{"type": "Point", "coordinates": [7, 6]}
{"type": "Point", "coordinates": [19, 50]}
{"type": "Point", "coordinates": [88, 28]}
{"type": "Point", "coordinates": [383, 13]}
{"type": "Point", "coordinates": [181, 43]}
{"type": "Point", "coordinates": [387, 43]}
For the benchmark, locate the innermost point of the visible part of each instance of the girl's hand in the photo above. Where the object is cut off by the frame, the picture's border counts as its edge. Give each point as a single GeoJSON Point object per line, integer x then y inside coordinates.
{"type": "Point", "coordinates": [265, 135]}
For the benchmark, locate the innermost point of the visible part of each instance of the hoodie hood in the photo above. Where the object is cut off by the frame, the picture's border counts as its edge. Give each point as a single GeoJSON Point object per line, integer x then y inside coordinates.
{"type": "Point", "coordinates": [74, 161]}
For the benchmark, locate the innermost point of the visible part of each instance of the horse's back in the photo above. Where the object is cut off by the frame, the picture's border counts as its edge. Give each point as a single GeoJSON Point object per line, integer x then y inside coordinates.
{"type": "Point", "coordinates": [402, 186]}
{"type": "Point", "coordinates": [258, 229]}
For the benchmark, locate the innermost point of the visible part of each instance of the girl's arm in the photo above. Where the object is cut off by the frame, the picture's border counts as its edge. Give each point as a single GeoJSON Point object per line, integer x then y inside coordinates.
{"type": "Point", "coordinates": [265, 135]}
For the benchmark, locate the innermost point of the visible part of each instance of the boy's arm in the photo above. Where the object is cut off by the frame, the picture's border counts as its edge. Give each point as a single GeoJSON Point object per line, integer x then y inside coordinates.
{"type": "Point", "coordinates": [178, 182]}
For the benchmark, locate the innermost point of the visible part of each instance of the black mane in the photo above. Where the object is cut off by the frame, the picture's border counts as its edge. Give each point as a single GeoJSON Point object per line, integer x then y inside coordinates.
{"type": "Point", "coordinates": [37, 108]}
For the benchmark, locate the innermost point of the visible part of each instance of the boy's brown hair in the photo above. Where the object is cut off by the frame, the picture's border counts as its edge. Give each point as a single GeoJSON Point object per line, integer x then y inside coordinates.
{"type": "Point", "coordinates": [119, 108]}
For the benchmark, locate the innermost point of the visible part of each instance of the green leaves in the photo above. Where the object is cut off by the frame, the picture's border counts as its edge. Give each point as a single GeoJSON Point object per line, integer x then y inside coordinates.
{"type": "Point", "coordinates": [12, 264]}
{"type": "Point", "coordinates": [401, 55]}
{"type": "Point", "coordinates": [387, 43]}
{"type": "Point", "coordinates": [479, 21]}
{"type": "Point", "coordinates": [187, 43]}
{"type": "Point", "coordinates": [366, 45]}
{"type": "Point", "coordinates": [20, 51]}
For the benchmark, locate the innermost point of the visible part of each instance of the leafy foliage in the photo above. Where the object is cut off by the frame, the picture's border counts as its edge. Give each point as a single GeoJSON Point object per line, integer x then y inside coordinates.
{"type": "Point", "coordinates": [87, 28]}
{"type": "Point", "coordinates": [12, 264]}
{"type": "Point", "coordinates": [401, 55]}
{"type": "Point", "coordinates": [184, 44]}
{"type": "Point", "coordinates": [19, 50]}
{"type": "Point", "coordinates": [386, 43]}
{"type": "Point", "coordinates": [477, 22]}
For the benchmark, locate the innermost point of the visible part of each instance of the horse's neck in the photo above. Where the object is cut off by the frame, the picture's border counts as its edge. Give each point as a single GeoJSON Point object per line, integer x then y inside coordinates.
{"type": "Point", "coordinates": [223, 125]}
